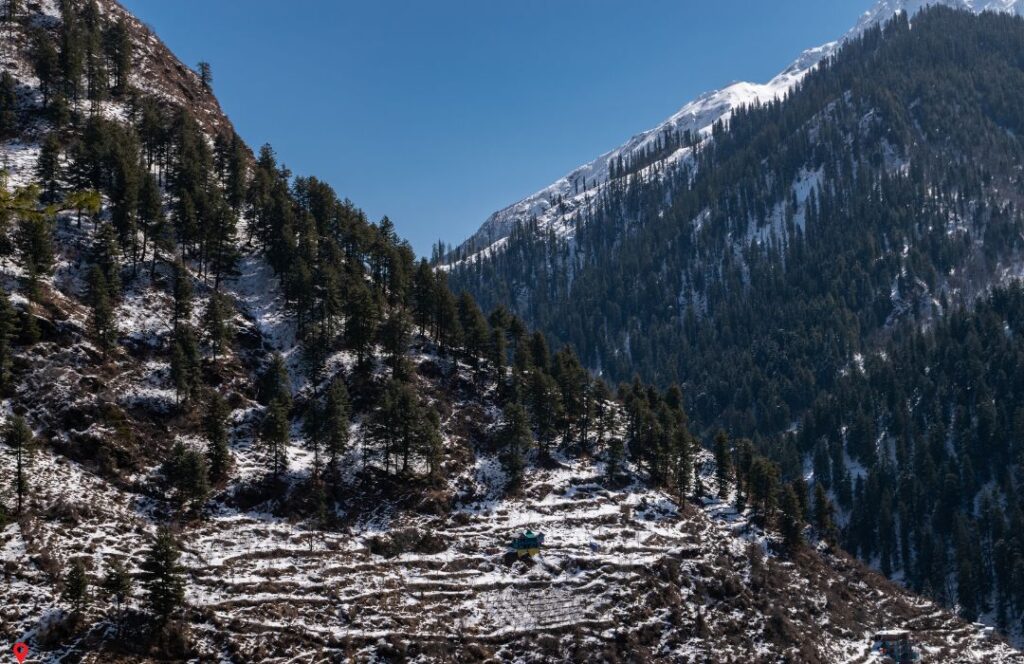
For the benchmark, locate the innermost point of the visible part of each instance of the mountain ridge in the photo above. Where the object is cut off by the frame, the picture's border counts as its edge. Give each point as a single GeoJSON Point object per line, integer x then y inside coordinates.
{"type": "Point", "coordinates": [546, 207]}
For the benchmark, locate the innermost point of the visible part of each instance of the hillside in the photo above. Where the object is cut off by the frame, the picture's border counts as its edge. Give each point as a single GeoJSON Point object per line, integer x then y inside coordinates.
{"type": "Point", "coordinates": [240, 422]}
{"type": "Point", "coordinates": [805, 239]}
{"type": "Point", "coordinates": [560, 208]}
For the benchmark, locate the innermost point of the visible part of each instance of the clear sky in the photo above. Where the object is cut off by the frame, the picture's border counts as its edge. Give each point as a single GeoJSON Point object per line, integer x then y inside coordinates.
{"type": "Point", "coordinates": [437, 113]}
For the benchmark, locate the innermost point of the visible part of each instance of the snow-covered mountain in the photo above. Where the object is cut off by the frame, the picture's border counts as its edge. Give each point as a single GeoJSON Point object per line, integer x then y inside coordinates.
{"type": "Point", "coordinates": [557, 207]}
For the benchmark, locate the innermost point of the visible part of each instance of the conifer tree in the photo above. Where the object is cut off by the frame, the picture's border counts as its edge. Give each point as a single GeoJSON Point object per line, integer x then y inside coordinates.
{"type": "Point", "coordinates": [104, 255]}
{"type": "Point", "coordinates": [275, 385]}
{"type": "Point", "coordinates": [35, 240]}
{"type": "Point", "coordinates": [362, 312]}
{"type": "Point", "coordinates": [336, 425]}
{"type": "Point", "coordinates": [48, 165]}
{"type": "Point", "coordinates": [151, 218]}
{"type": "Point", "coordinates": [430, 443]}
{"type": "Point", "coordinates": [615, 456]}
{"type": "Point", "coordinates": [218, 455]}
{"type": "Point", "coordinates": [823, 513]}
{"type": "Point", "coordinates": [117, 585]}
{"type": "Point", "coordinates": [163, 578]}
{"type": "Point", "coordinates": [119, 50]}
{"type": "Point", "coordinates": [394, 338]}
{"type": "Point", "coordinates": [19, 438]}
{"type": "Point", "coordinates": [447, 329]}
{"type": "Point", "coordinates": [274, 435]}
{"type": "Point", "coordinates": [46, 65]}
{"type": "Point", "coordinates": [71, 57]}
{"type": "Point", "coordinates": [76, 587]}
{"type": "Point", "coordinates": [185, 363]}
{"type": "Point", "coordinates": [516, 440]}
{"type": "Point", "coordinates": [8, 332]}
{"type": "Point", "coordinates": [102, 321]}
{"type": "Point", "coordinates": [215, 323]}
{"type": "Point", "coordinates": [723, 463]}
{"type": "Point", "coordinates": [423, 300]}
{"type": "Point", "coordinates": [182, 294]}
{"type": "Point", "coordinates": [187, 473]}
{"type": "Point", "coordinates": [791, 518]}
{"type": "Point", "coordinates": [546, 409]}
{"type": "Point", "coordinates": [475, 330]}
{"type": "Point", "coordinates": [205, 73]}
{"type": "Point", "coordinates": [8, 106]}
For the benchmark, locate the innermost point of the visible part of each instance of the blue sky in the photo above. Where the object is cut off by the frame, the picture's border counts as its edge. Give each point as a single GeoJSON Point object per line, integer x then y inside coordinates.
{"type": "Point", "coordinates": [436, 113]}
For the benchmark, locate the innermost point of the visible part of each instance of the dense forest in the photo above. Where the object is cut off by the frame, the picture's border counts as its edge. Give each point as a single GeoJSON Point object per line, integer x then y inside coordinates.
{"type": "Point", "coordinates": [804, 238]}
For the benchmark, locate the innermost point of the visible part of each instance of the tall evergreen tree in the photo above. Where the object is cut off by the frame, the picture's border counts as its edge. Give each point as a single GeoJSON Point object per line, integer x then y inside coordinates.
{"type": "Point", "coordinates": [516, 440]}
{"type": "Point", "coordinates": [19, 438]}
{"type": "Point", "coordinates": [723, 463]}
{"type": "Point", "coordinates": [218, 455]}
{"type": "Point", "coordinates": [163, 577]}
{"type": "Point", "coordinates": [76, 587]}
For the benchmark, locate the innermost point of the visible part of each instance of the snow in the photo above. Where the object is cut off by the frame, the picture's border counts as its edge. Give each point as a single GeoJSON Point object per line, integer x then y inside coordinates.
{"type": "Point", "coordinates": [697, 116]}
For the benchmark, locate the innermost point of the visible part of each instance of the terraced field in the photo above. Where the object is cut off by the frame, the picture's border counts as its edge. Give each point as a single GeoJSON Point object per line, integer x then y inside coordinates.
{"type": "Point", "coordinates": [625, 575]}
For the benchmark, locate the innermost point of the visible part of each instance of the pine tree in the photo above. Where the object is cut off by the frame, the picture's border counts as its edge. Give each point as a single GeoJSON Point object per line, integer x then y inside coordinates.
{"type": "Point", "coordinates": [46, 65]}
{"type": "Point", "coordinates": [336, 425]}
{"type": "Point", "coordinates": [182, 294]}
{"type": "Point", "coordinates": [362, 312]}
{"type": "Point", "coordinates": [19, 438]}
{"type": "Point", "coordinates": [545, 408]}
{"type": "Point", "coordinates": [35, 241]}
{"type": "Point", "coordinates": [723, 463]}
{"type": "Point", "coordinates": [275, 434]}
{"type": "Point", "coordinates": [221, 241]}
{"type": "Point", "coordinates": [823, 513]}
{"type": "Point", "coordinates": [205, 73]}
{"type": "Point", "coordinates": [615, 455]}
{"type": "Point", "coordinates": [151, 219]}
{"type": "Point", "coordinates": [48, 166]}
{"type": "Point", "coordinates": [163, 577]}
{"type": "Point", "coordinates": [275, 385]}
{"type": "Point", "coordinates": [516, 440]}
{"type": "Point", "coordinates": [430, 444]}
{"type": "Point", "coordinates": [185, 363]}
{"type": "Point", "coordinates": [72, 56]}
{"type": "Point", "coordinates": [187, 473]}
{"type": "Point", "coordinates": [791, 518]}
{"type": "Point", "coordinates": [394, 338]}
{"type": "Point", "coordinates": [215, 323]}
{"type": "Point", "coordinates": [8, 332]}
{"type": "Point", "coordinates": [104, 254]}
{"type": "Point", "coordinates": [119, 50]}
{"type": "Point", "coordinates": [218, 455]}
{"type": "Point", "coordinates": [423, 300]}
{"type": "Point", "coordinates": [76, 587]}
{"type": "Point", "coordinates": [117, 585]}
{"type": "Point", "coordinates": [8, 106]}
{"type": "Point", "coordinates": [103, 327]}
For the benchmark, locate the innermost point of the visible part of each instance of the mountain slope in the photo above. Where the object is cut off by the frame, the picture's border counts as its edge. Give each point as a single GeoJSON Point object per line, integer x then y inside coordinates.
{"type": "Point", "coordinates": [561, 206]}
{"type": "Point", "coordinates": [241, 423]}
{"type": "Point", "coordinates": [806, 239]}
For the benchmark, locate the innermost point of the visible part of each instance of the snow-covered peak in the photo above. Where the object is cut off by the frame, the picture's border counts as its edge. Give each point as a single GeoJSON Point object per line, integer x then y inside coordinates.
{"type": "Point", "coordinates": [559, 205]}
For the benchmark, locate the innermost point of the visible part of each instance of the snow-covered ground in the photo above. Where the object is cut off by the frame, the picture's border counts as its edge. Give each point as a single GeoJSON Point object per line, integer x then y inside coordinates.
{"type": "Point", "coordinates": [583, 185]}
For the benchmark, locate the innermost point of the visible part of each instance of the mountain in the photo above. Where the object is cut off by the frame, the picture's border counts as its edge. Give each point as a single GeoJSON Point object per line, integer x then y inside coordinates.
{"type": "Point", "coordinates": [241, 423]}
{"type": "Point", "coordinates": [559, 207]}
{"type": "Point", "coordinates": [803, 247]}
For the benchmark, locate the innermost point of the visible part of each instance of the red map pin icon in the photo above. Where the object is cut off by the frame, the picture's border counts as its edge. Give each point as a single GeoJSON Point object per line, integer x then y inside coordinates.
{"type": "Point", "coordinates": [20, 652]}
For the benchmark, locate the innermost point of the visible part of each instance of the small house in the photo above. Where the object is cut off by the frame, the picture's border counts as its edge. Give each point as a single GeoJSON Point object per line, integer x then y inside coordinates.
{"type": "Point", "coordinates": [528, 544]}
{"type": "Point", "coordinates": [894, 645]}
